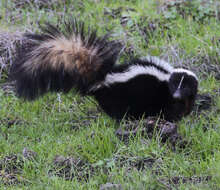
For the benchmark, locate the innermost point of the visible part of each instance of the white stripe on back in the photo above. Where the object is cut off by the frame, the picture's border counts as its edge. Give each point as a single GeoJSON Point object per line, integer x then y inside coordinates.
{"type": "Point", "coordinates": [134, 71]}
{"type": "Point", "coordinates": [158, 62]}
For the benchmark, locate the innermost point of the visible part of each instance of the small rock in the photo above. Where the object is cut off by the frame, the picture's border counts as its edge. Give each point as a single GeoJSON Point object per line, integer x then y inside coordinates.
{"type": "Point", "coordinates": [111, 186]}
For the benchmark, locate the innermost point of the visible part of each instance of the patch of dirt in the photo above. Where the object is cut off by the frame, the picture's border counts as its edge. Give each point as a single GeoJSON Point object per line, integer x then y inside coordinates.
{"type": "Point", "coordinates": [175, 181]}
{"type": "Point", "coordinates": [147, 127]}
{"type": "Point", "coordinates": [203, 102]}
{"type": "Point", "coordinates": [195, 179]}
{"type": "Point", "coordinates": [139, 163]}
{"type": "Point", "coordinates": [70, 167]}
{"type": "Point", "coordinates": [129, 162]}
{"type": "Point", "coordinates": [11, 163]}
{"type": "Point", "coordinates": [10, 169]}
{"type": "Point", "coordinates": [10, 121]}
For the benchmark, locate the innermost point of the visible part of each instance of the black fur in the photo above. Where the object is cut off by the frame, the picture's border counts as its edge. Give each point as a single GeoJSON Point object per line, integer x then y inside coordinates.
{"type": "Point", "coordinates": [187, 91]}
{"type": "Point", "coordinates": [146, 95]}
{"type": "Point", "coordinates": [32, 84]}
{"type": "Point", "coordinates": [142, 95]}
{"type": "Point", "coordinates": [134, 98]}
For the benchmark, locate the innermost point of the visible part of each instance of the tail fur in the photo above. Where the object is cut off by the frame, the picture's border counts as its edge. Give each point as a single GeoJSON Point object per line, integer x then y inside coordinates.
{"type": "Point", "coordinates": [58, 60]}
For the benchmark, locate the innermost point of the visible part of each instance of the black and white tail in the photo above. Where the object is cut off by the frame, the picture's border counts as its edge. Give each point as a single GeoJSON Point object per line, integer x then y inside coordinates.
{"type": "Point", "coordinates": [60, 59]}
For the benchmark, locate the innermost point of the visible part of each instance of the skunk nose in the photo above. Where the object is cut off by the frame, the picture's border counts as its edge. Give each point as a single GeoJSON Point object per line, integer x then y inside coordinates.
{"type": "Point", "coordinates": [177, 94]}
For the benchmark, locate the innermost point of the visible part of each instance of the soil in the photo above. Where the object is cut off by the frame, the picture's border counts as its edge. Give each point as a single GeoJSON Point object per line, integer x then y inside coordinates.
{"type": "Point", "coordinates": [70, 167]}
{"type": "Point", "coordinates": [10, 168]}
{"type": "Point", "coordinates": [165, 129]}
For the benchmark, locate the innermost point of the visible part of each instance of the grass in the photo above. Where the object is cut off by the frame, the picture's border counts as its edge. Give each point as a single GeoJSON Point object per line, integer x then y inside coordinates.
{"type": "Point", "coordinates": [72, 126]}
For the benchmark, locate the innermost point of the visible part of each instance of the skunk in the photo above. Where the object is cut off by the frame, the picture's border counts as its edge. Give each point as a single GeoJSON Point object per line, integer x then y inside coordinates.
{"type": "Point", "coordinates": [148, 87]}
{"type": "Point", "coordinates": [59, 60]}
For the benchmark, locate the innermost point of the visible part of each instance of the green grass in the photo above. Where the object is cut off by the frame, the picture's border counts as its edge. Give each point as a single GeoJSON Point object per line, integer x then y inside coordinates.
{"type": "Point", "coordinates": [74, 127]}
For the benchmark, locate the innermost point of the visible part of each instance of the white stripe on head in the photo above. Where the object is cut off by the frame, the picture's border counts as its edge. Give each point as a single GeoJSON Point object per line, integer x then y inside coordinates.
{"type": "Point", "coordinates": [181, 81]}
{"type": "Point", "coordinates": [158, 62]}
{"type": "Point", "coordinates": [188, 72]}
{"type": "Point", "coordinates": [134, 71]}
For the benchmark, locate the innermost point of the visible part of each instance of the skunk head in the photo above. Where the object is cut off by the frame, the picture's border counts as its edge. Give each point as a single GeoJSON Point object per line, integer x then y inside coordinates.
{"type": "Point", "coordinates": [183, 86]}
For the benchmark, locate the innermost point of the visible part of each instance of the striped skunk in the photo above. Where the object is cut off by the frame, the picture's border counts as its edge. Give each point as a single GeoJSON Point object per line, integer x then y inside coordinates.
{"type": "Point", "coordinates": [59, 60]}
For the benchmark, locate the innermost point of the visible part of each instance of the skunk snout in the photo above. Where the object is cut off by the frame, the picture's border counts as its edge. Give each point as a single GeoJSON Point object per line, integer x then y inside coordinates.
{"type": "Point", "coordinates": [177, 94]}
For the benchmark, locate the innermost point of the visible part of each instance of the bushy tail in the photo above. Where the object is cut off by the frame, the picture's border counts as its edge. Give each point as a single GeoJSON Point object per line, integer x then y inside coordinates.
{"type": "Point", "coordinates": [58, 60]}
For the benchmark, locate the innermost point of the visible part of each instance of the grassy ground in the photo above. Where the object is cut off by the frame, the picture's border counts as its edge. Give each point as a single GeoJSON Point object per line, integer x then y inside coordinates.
{"type": "Point", "coordinates": [63, 141]}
